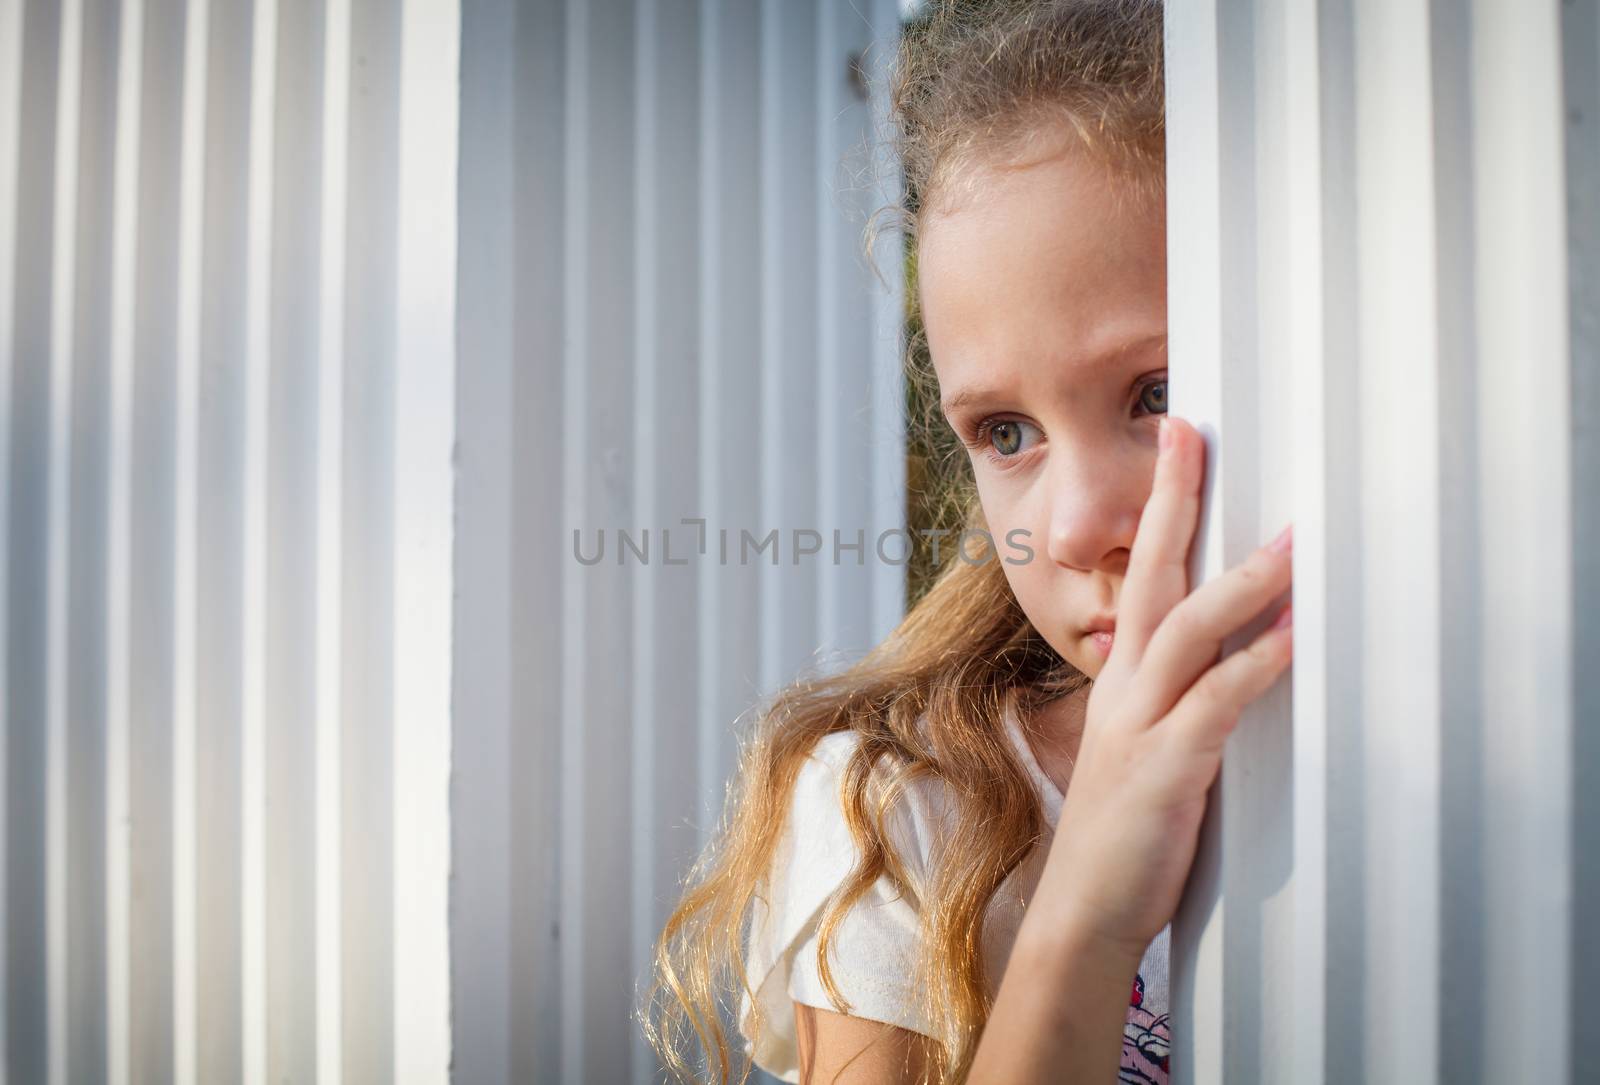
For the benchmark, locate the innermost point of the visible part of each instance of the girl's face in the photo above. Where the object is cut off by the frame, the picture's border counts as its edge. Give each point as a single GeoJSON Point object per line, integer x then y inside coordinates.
{"type": "Point", "coordinates": [1045, 306]}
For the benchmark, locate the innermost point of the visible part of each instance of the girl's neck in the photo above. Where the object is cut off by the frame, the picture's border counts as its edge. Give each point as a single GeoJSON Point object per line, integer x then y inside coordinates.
{"type": "Point", "coordinates": [1056, 729]}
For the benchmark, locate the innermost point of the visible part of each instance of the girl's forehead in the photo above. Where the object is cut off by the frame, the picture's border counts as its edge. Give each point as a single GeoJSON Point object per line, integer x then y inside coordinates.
{"type": "Point", "coordinates": [1047, 259]}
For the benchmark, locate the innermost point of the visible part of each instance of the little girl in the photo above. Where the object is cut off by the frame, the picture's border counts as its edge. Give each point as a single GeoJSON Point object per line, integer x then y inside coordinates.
{"type": "Point", "coordinates": [958, 859]}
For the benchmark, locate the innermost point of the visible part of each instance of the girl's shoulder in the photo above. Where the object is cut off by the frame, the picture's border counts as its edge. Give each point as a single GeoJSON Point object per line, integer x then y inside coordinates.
{"type": "Point", "coordinates": [911, 820]}
{"type": "Point", "coordinates": [874, 941]}
{"type": "Point", "coordinates": [833, 749]}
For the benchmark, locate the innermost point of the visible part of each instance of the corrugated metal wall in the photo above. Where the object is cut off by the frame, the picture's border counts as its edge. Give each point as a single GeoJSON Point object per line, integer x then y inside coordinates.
{"type": "Point", "coordinates": [324, 757]}
{"type": "Point", "coordinates": [1383, 271]}
{"type": "Point", "coordinates": [324, 326]}
{"type": "Point", "coordinates": [665, 319]}
{"type": "Point", "coordinates": [226, 380]}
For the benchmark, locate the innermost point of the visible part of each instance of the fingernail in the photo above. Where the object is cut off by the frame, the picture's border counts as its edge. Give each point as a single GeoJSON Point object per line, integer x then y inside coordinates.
{"type": "Point", "coordinates": [1285, 618]}
{"type": "Point", "coordinates": [1284, 543]}
{"type": "Point", "coordinates": [1165, 435]}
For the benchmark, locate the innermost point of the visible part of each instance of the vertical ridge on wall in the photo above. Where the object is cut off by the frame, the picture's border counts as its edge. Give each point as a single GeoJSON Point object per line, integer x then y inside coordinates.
{"type": "Point", "coordinates": [27, 519]}
{"type": "Point", "coordinates": [788, 347]}
{"type": "Point", "coordinates": [220, 771]}
{"type": "Point", "coordinates": [329, 564]}
{"type": "Point", "coordinates": [602, 343]}
{"type": "Point", "coordinates": [722, 137]}
{"type": "Point", "coordinates": [289, 664]}
{"type": "Point", "coordinates": [1398, 351]}
{"type": "Point", "coordinates": [1261, 974]}
{"type": "Point", "coordinates": [537, 205]}
{"type": "Point", "coordinates": [257, 448]}
{"type": "Point", "coordinates": [63, 295]}
{"type": "Point", "coordinates": [486, 873]}
{"type": "Point", "coordinates": [424, 535]}
{"type": "Point", "coordinates": [671, 129]}
{"type": "Point", "coordinates": [88, 484]}
{"type": "Point", "coordinates": [368, 481]}
{"type": "Point", "coordinates": [191, 39]}
{"type": "Point", "coordinates": [649, 452]}
{"type": "Point", "coordinates": [878, 39]}
{"type": "Point", "coordinates": [575, 695]}
{"type": "Point", "coordinates": [11, 27]}
{"type": "Point", "coordinates": [124, 253]}
{"type": "Point", "coordinates": [1460, 566]}
{"type": "Point", "coordinates": [1522, 329]}
{"type": "Point", "coordinates": [774, 503]}
{"type": "Point", "coordinates": [708, 271]}
{"type": "Point", "coordinates": [1338, 758]}
{"type": "Point", "coordinates": [1580, 66]}
{"type": "Point", "coordinates": [1304, 345]}
{"type": "Point", "coordinates": [730, 482]}
{"type": "Point", "coordinates": [1194, 305]}
{"type": "Point", "coordinates": [77, 764]}
{"type": "Point", "coordinates": [84, 1029]}
{"type": "Point", "coordinates": [830, 381]}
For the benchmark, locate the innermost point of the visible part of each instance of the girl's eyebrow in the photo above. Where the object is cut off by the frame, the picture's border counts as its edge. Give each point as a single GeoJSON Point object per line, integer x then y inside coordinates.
{"type": "Point", "coordinates": [966, 396]}
{"type": "Point", "coordinates": [953, 403]}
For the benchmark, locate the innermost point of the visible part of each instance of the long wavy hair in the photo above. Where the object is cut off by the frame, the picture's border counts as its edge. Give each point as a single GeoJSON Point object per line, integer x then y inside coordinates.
{"type": "Point", "coordinates": [975, 81]}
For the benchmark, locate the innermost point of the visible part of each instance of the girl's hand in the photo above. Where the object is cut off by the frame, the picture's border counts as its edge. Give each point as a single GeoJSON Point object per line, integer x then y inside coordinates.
{"type": "Point", "coordinates": [1157, 717]}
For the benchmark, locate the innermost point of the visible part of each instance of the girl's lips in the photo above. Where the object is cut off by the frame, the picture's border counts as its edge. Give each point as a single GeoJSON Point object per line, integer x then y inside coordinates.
{"type": "Point", "coordinates": [1102, 642]}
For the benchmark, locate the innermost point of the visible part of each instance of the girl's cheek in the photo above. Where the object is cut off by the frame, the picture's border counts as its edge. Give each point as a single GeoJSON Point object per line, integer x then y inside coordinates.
{"type": "Point", "coordinates": [1018, 521]}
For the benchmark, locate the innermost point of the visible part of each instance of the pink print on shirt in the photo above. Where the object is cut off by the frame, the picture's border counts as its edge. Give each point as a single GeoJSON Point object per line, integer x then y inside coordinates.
{"type": "Point", "coordinates": [1146, 1042]}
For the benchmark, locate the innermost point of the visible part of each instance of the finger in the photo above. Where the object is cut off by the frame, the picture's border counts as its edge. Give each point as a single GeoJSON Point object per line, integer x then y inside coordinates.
{"type": "Point", "coordinates": [1191, 637]}
{"type": "Point", "coordinates": [1158, 567]}
{"type": "Point", "coordinates": [1202, 720]}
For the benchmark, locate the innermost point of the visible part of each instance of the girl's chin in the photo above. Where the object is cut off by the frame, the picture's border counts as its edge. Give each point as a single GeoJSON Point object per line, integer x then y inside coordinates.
{"type": "Point", "coordinates": [1091, 652]}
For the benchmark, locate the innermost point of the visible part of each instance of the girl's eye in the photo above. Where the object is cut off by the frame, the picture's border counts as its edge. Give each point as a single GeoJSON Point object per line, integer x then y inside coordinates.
{"type": "Point", "coordinates": [1153, 397]}
{"type": "Point", "coordinates": [1004, 436]}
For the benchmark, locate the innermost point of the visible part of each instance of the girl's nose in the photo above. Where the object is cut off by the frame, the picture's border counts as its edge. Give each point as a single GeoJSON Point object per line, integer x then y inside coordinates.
{"type": "Point", "coordinates": [1094, 515]}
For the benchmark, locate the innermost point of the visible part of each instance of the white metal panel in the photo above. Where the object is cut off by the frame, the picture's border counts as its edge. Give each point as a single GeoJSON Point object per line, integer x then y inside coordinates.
{"type": "Point", "coordinates": [1196, 58]}
{"type": "Point", "coordinates": [424, 532]}
{"type": "Point", "coordinates": [1373, 220]}
{"type": "Point", "coordinates": [1397, 354]}
{"type": "Point", "coordinates": [286, 545]}
{"type": "Point", "coordinates": [678, 337]}
{"type": "Point", "coordinates": [1527, 543]}
{"type": "Point", "coordinates": [175, 876]}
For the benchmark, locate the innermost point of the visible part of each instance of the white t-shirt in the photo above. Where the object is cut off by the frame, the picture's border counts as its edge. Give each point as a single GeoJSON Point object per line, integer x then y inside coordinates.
{"type": "Point", "coordinates": [873, 946]}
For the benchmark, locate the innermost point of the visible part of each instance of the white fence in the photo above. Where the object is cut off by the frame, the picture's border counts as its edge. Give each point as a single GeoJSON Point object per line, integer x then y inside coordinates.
{"type": "Point", "coordinates": [664, 318]}
{"type": "Point", "coordinates": [322, 326]}
{"type": "Point", "coordinates": [1383, 291]}
{"type": "Point", "coordinates": [228, 362]}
